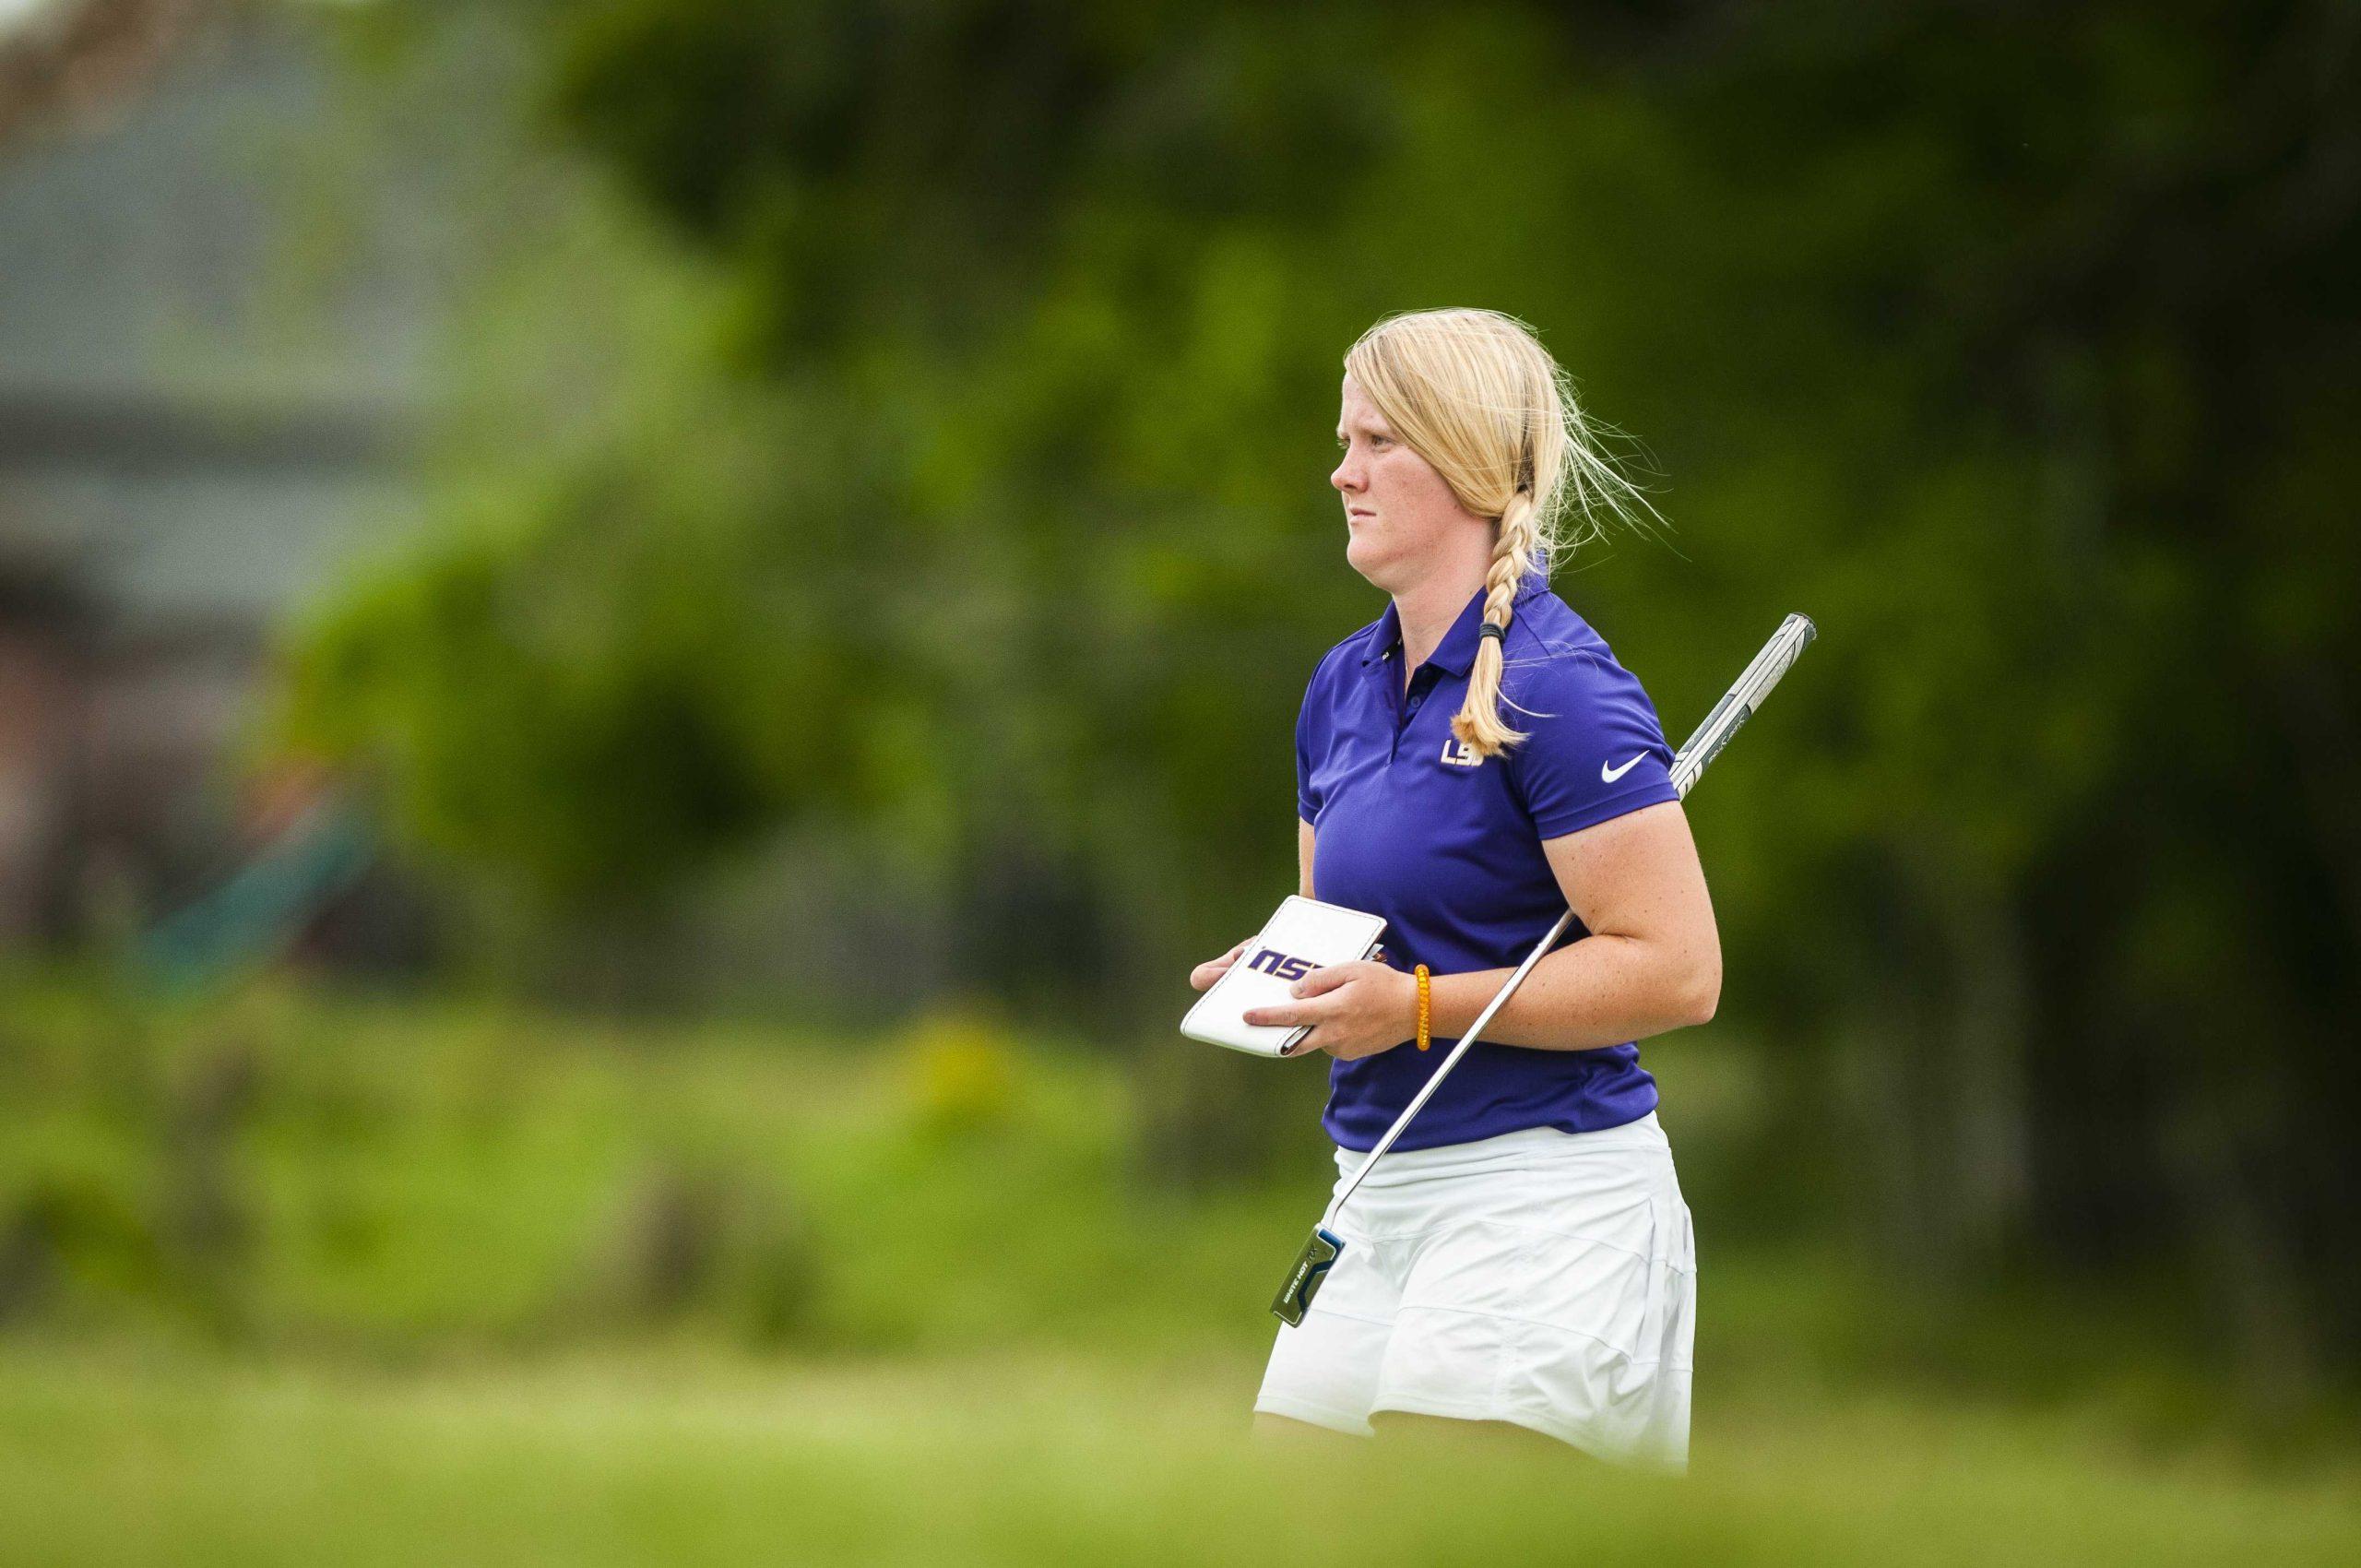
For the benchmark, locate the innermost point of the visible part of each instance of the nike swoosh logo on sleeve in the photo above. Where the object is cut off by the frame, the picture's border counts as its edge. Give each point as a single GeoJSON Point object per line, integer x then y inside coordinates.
{"type": "Point", "coordinates": [1609, 775]}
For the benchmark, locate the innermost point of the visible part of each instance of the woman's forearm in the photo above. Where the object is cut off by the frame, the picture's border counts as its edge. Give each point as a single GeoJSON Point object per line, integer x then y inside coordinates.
{"type": "Point", "coordinates": [1600, 991]}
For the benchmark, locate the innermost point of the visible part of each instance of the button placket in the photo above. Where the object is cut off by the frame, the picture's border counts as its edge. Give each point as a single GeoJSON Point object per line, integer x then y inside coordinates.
{"type": "Point", "coordinates": [1422, 684]}
{"type": "Point", "coordinates": [1394, 701]}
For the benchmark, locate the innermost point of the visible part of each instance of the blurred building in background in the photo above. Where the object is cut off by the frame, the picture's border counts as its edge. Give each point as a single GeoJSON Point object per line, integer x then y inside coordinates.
{"type": "Point", "coordinates": [225, 273]}
{"type": "Point", "coordinates": [184, 457]}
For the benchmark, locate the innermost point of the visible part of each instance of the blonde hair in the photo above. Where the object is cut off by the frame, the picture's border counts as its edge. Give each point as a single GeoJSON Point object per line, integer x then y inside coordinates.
{"type": "Point", "coordinates": [1475, 394]}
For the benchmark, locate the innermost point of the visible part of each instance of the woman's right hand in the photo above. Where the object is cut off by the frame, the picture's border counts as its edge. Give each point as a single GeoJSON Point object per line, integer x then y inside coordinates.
{"type": "Point", "coordinates": [1203, 977]}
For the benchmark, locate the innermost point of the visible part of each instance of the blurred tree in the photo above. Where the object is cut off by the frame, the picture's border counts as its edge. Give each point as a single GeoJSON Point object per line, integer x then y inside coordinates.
{"type": "Point", "coordinates": [2012, 343]}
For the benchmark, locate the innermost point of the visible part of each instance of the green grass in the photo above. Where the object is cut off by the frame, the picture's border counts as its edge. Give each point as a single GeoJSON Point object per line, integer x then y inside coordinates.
{"type": "Point", "coordinates": [683, 1457]}
{"type": "Point", "coordinates": [327, 1280]}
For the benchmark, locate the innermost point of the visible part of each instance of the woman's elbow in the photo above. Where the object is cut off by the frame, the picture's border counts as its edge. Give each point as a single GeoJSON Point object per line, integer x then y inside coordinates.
{"type": "Point", "coordinates": [1700, 990]}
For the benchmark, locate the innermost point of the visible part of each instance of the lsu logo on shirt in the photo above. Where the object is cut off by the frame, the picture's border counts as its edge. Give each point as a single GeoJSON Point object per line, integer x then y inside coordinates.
{"type": "Point", "coordinates": [1457, 753]}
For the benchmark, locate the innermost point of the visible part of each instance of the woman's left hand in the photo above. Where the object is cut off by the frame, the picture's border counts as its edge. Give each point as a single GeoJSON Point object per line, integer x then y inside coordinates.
{"type": "Point", "coordinates": [1356, 1010]}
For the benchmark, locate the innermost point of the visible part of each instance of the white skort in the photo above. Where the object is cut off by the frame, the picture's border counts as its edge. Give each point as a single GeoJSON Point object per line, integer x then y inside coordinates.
{"type": "Point", "coordinates": [1541, 1278]}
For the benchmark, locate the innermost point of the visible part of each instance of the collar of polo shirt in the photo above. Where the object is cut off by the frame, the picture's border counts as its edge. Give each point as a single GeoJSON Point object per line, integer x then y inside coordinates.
{"type": "Point", "coordinates": [1456, 653]}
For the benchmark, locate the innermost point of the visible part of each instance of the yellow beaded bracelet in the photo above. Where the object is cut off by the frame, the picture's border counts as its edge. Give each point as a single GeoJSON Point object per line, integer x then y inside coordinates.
{"type": "Point", "coordinates": [1426, 1006]}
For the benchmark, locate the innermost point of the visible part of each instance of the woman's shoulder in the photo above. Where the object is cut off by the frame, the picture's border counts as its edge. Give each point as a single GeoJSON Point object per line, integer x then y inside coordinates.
{"type": "Point", "coordinates": [1552, 648]}
{"type": "Point", "coordinates": [1594, 748]}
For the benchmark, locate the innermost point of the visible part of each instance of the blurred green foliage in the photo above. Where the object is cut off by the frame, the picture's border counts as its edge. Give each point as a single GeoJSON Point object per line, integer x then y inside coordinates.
{"type": "Point", "coordinates": [283, 1171]}
{"type": "Point", "coordinates": [956, 476]}
{"type": "Point", "coordinates": [280, 1175]}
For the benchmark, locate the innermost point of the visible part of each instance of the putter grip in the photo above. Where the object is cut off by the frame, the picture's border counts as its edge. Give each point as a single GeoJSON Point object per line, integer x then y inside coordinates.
{"type": "Point", "coordinates": [1738, 705]}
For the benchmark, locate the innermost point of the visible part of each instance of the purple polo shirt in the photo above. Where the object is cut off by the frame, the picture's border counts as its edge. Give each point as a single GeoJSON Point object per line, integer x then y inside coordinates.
{"type": "Point", "coordinates": [1408, 825]}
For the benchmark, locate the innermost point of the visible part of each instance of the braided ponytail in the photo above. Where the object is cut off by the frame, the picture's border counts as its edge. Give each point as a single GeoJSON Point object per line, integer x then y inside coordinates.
{"type": "Point", "coordinates": [1477, 724]}
{"type": "Point", "coordinates": [1475, 394]}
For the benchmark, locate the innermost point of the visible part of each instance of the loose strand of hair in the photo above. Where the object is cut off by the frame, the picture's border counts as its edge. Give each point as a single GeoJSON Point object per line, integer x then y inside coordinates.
{"type": "Point", "coordinates": [1598, 491]}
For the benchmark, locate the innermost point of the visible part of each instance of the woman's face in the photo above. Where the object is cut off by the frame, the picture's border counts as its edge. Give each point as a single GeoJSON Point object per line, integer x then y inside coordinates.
{"type": "Point", "coordinates": [1401, 517]}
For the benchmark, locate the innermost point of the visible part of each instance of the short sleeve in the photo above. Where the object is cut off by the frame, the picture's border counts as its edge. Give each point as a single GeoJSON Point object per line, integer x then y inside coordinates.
{"type": "Point", "coordinates": [1594, 748]}
{"type": "Point", "coordinates": [1307, 798]}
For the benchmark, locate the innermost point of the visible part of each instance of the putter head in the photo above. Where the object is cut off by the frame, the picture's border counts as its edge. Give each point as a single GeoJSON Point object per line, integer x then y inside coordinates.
{"type": "Point", "coordinates": [1312, 1266]}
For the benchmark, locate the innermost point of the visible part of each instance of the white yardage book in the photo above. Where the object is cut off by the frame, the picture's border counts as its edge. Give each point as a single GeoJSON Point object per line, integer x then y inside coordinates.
{"type": "Point", "coordinates": [1304, 935]}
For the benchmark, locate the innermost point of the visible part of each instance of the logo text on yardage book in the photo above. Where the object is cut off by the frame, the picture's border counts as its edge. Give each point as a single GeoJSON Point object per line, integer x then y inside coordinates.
{"type": "Point", "coordinates": [1271, 961]}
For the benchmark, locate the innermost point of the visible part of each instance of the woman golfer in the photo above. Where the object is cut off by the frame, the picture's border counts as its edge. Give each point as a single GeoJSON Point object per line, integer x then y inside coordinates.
{"type": "Point", "coordinates": [1468, 765]}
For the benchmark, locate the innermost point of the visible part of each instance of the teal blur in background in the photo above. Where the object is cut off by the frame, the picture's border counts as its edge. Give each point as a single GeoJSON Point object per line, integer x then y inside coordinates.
{"type": "Point", "coordinates": [789, 541]}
